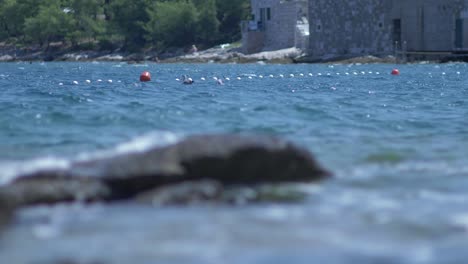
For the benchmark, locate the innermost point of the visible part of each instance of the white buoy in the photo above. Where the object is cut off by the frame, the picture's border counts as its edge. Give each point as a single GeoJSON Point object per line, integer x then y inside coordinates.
{"type": "Point", "coordinates": [281, 75]}
{"type": "Point", "coordinates": [458, 73]}
{"type": "Point", "coordinates": [227, 79]}
{"type": "Point", "coordinates": [291, 75]}
{"type": "Point", "coordinates": [260, 76]}
{"type": "Point", "coordinates": [60, 84]}
{"type": "Point", "coordinates": [203, 79]}
{"type": "Point", "coordinates": [239, 78]}
{"type": "Point", "coordinates": [110, 81]}
{"type": "Point", "coordinates": [271, 76]}
{"type": "Point", "coordinates": [346, 73]}
{"type": "Point", "coordinates": [99, 80]}
{"type": "Point", "coordinates": [319, 74]}
{"type": "Point", "coordinates": [302, 75]}
{"type": "Point", "coordinates": [310, 74]}
{"type": "Point", "coordinates": [75, 82]}
{"type": "Point", "coordinates": [177, 79]}
{"type": "Point", "coordinates": [88, 81]}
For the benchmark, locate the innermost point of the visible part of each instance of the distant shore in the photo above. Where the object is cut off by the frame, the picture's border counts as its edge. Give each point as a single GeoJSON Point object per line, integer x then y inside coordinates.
{"type": "Point", "coordinates": [220, 54]}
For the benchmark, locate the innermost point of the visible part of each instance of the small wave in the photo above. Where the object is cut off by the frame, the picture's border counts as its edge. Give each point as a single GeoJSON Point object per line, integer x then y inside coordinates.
{"type": "Point", "coordinates": [417, 169]}
{"type": "Point", "coordinates": [11, 170]}
{"type": "Point", "coordinates": [385, 157]}
{"type": "Point", "coordinates": [138, 144]}
{"type": "Point", "coordinates": [460, 220]}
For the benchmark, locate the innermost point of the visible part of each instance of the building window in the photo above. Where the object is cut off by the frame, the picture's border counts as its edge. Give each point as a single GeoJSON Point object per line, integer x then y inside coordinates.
{"type": "Point", "coordinates": [268, 13]}
{"type": "Point", "coordinates": [380, 25]}
{"type": "Point", "coordinates": [318, 25]}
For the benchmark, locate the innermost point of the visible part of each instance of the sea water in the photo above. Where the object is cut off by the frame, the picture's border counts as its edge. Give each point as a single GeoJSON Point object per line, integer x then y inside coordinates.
{"type": "Point", "coordinates": [397, 145]}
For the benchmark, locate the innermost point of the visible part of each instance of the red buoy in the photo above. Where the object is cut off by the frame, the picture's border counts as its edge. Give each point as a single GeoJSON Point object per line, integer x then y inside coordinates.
{"type": "Point", "coordinates": [395, 72]}
{"type": "Point", "coordinates": [145, 77]}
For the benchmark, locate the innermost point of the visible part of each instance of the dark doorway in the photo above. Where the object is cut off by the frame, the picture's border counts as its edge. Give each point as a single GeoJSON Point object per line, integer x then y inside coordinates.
{"type": "Point", "coordinates": [459, 33]}
{"type": "Point", "coordinates": [397, 33]}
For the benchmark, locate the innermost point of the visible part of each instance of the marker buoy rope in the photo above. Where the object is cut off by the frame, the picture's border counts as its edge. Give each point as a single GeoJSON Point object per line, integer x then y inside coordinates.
{"type": "Point", "coordinates": [145, 77]}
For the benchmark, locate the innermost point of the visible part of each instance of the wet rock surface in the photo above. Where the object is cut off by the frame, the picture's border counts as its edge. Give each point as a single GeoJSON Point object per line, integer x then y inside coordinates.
{"type": "Point", "coordinates": [198, 168]}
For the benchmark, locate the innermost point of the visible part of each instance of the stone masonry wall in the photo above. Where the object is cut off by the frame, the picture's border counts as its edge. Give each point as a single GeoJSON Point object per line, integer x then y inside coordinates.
{"type": "Point", "coordinates": [429, 25]}
{"type": "Point", "coordinates": [280, 29]}
{"type": "Point", "coordinates": [355, 27]}
{"type": "Point", "coordinates": [343, 27]}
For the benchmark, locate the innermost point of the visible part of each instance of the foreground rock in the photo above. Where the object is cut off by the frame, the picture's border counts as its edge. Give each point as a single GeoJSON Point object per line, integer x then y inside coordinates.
{"type": "Point", "coordinates": [198, 168]}
{"type": "Point", "coordinates": [6, 211]}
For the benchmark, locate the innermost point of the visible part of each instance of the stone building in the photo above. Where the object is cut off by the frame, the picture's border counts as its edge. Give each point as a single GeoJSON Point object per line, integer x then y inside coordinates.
{"type": "Point", "coordinates": [276, 24]}
{"type": "Point", "coordinates": [346, 28]}
{"type": "Point", "coordinates": [380, 27]}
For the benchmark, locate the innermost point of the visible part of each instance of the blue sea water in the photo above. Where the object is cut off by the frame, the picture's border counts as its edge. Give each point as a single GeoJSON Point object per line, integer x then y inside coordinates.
{"type": "Point", "coordinates": [398, 146]}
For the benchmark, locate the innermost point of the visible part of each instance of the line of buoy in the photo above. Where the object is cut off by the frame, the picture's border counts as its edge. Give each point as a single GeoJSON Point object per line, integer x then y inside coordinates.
{"type": "Point", "coordinates": [146, 76]}
{"type": "Point", "coordinates": [291, 75]}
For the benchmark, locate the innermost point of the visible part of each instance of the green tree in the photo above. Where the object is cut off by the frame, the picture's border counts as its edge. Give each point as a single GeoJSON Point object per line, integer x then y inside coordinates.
{"type": "Point", "coordinates": [13, 14]}
{"type": "Point", "coordinates": [131, 24]}
{"type": "Point", "coordinates": [50, 24]}
{"type": "Point", "coordinates": [172, 23]}
{"type": "Point", "coordinates": [230, 15]}
{"type": "Point", "coordinates": [128, 19]}
{"type": "Point", "coordinates": [207, 24]}
{"type": "Point", "coordinates": [88, 22]}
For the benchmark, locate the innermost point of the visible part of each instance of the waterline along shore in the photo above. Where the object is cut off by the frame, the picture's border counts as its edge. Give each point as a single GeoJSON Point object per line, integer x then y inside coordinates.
{"type": "Point", "coordinates": [219, 54]}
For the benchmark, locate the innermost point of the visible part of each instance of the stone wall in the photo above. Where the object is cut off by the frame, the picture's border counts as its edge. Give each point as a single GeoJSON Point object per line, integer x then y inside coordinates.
{"type": "Point", "coordinates": [343, 27]}
{"type": "Point", "coordinates": [252, 41]}
{"type": "Point", "coordinates": [280, 28]}
{"type": "Point", "coordinates": [362, 27]}
{"type": "Point", "coordinates": [429, 25]}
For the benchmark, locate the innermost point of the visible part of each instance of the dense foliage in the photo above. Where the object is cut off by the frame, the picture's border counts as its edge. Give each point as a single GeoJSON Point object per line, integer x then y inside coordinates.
{"type": "Point", "coordinates": [129, 24]}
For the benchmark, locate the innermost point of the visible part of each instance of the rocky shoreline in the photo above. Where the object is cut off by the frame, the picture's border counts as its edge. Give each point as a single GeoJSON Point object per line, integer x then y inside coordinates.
{"type": "Point", "coordinates": [220, 54]}
{"type": "Point", "coordinates": [221, 168]}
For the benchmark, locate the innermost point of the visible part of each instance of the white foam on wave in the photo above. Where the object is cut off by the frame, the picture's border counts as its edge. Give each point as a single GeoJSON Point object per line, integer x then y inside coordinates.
{"type": "Point", "coordinates": [153, 139]}
{"type": "Point", "coordinates": [423, 168]}
{"type": "Point", "coordinates": [460, 220]}
{"type": "Point", "coordinates": [11, 170]}
{"type": "Point", "coordinates": [138, 144]}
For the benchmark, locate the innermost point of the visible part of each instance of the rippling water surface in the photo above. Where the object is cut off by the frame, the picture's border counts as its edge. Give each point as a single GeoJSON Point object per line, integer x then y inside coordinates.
{"type": "Point", "coordinates": [398, 146]}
